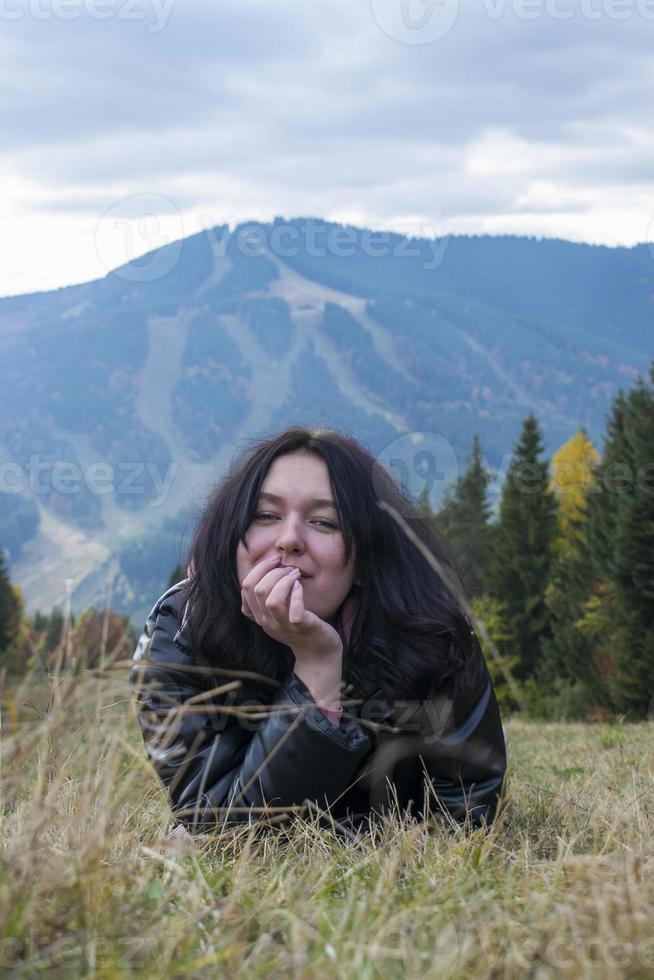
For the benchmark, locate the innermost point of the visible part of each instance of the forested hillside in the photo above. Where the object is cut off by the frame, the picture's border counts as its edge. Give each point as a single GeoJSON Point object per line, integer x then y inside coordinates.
{"type": "Point", "coordinates": [159, 370]}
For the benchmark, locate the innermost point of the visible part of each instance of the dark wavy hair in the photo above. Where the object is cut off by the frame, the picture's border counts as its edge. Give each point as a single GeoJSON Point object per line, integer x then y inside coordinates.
{"type": "Point", "coordinates": [411, 637]}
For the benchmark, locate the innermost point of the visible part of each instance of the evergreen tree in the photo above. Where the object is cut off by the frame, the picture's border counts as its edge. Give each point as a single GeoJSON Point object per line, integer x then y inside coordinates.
{"type": "Point", "coordinates": [608, 485]}
{"type": "Point", "coordinates": [6, 608]}
{"type": "Point", "coordinates": [634, 554]}
{"type": "Point", "coordinates": [54, 631]}
{"type": "Point", "coordinates": [522, 550]}
{"type": "Point", "coordinates": [11, 612]}
{"type": "Point", "coordinates": [602, 621]}
{"type": "Point", "coordinates": [620, 531]}
{"type": "Point", "coordinates": [463, 521]}
{"type": "Point", "coordinates": [39, 621]}
{"type": "Point", "coordinates": [570, 652]}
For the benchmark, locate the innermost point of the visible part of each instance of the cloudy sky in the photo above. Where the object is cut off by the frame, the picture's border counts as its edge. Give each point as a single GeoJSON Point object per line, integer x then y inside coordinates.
{"type": "Point", "coordinates": [128, 123]}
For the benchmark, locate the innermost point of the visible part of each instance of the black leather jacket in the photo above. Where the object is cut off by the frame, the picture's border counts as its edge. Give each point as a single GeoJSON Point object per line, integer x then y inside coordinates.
{"type": "Point", "coordinates": [422, 757]}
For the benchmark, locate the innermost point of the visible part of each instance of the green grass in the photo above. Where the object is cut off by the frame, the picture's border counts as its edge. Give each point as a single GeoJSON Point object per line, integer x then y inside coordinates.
{"type": "Point", "coordinates": [91, 885]}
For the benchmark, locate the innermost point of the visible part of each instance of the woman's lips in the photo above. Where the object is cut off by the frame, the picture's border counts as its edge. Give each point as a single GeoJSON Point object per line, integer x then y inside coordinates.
{"type": "Point", "coordinates": [302, 574]}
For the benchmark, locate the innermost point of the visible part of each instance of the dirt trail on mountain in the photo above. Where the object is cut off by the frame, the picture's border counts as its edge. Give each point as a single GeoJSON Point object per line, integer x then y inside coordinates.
{"type": "Point", "coordinates": [61, 550]}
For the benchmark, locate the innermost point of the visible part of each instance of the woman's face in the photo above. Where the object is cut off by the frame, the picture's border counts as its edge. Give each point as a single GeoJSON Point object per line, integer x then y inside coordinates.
{"type": "Point", "coordinates": [306, 534]}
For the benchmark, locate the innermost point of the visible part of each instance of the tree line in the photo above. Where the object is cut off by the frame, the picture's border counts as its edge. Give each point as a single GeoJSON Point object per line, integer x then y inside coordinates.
{"type": "Point", "coordinates": [564, 578]}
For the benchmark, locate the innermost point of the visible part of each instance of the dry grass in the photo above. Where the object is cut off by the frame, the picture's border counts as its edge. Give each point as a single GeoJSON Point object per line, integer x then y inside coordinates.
{"type": "Point", "coordinates": [91, 884]}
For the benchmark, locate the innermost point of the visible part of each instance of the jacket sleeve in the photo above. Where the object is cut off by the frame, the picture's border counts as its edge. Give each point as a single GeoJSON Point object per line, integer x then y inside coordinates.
{"type": "Point", "coordinates": [467, 769]}
{"type": "Point", "coordinates": [215, 767]}
{"type": "Point", "coordinates": [451, 753]}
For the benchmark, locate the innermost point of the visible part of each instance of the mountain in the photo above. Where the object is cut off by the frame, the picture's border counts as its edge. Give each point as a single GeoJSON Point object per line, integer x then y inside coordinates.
{"type": "Point", "coordinates": [123, 399]}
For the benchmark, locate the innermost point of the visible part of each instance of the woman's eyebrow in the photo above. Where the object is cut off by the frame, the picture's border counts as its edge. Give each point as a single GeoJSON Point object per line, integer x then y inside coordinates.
{"type": "Point", "coordinates": [316, 502]}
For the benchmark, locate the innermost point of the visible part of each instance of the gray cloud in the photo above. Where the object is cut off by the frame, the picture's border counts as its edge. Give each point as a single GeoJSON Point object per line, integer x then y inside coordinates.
{"type": "Point", "coordinates": [290, 107]}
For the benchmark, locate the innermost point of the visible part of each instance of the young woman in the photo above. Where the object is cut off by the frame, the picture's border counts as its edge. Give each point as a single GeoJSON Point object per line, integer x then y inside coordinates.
{"type": "Point", "coordinates": [314, 660]}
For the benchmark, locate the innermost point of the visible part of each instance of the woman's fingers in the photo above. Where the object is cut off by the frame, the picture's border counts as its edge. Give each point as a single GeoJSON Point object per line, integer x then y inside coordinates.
{"type": "Point", "coordinates": [258, 589]}
{"type": "Point", "coordinates": [296, 605]}
{"type": "Point", "coordinates": [277, 600]}
{"type": "Point", "coordinates": [256, 593]}
{"type": "Point", "coordinates": [255, 574]}
{"type": "Point", "coordinates": [264, 585]}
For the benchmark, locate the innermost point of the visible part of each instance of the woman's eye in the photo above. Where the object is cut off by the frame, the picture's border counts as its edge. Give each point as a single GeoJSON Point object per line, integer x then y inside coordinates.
{"type": "Point", "coordinates": [265, 515]}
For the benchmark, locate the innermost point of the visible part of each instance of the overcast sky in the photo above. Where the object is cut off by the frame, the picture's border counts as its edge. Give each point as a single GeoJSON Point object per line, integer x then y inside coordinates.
{"type": "Point", "coordinates": [126, 125]}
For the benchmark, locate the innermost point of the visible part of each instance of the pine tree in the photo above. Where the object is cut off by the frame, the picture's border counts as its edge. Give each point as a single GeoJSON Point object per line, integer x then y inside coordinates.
{"type": "Point", "coordinates": [463, 520]}
{"type": "Point", "coordinates": [5, 605]}
{"type": "Point", "coordinates": [569, 651]}
{"type": "Point", "coordinates": [39, 621]}
{"type": "Point", "coordinates": [609, 483]}
{"type": "Point", "coordinates": [522, 550]}
{"type": "Point", "coordinates": [620, 532]}
{"type": "Point", "coordinates": [11, 612]}
{"type": "Point", "coordinates": [54, 631]}
{"type": "Point", "coordinates": [602, 619]}
{"type": "Point", "coordinates": [634, 554]}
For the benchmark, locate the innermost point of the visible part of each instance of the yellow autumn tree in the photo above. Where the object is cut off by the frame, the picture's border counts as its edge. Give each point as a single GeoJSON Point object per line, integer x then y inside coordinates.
{"type": "Point", "coordinates": [571, 477]}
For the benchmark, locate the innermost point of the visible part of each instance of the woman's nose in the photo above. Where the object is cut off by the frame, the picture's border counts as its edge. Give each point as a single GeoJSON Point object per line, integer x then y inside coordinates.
{"type": "Point", "coordinates": [290, 536]}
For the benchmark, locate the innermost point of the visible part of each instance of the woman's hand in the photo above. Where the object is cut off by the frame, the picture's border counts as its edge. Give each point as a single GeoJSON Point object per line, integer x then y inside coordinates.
{"type": "Point", "coordinates": [271, 597]}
